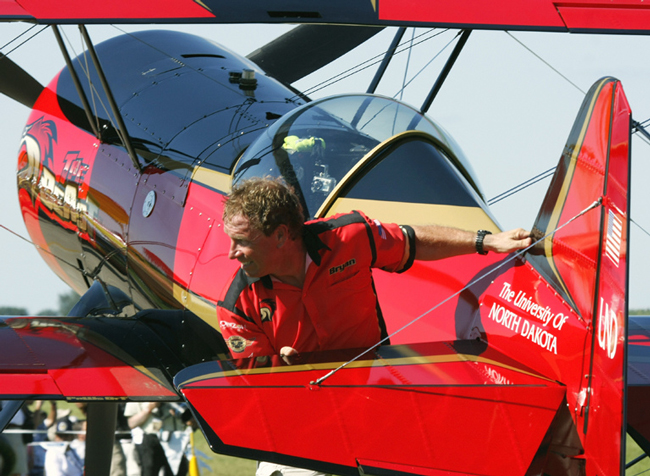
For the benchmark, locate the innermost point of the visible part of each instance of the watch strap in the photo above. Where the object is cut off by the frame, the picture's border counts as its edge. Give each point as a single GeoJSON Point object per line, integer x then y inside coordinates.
{"type": "Point", "coordinates": [480, 236]}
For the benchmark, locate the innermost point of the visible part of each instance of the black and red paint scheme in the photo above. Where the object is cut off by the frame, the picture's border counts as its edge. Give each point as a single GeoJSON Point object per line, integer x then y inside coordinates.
{"type": "Point", "coordinates": [525, 359]}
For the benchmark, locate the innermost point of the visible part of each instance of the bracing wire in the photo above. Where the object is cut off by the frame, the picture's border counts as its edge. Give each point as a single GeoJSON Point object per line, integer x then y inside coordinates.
{"type": "Point", "coordinates": [94, 93]}
{"type": "Point", "coordinates": [369, 63]}
{"type": "Point", "coordinates": [640, 227]}
{"type": "Point", "coordinates": [546, 63]}
{"type": "Point", "coordinates": [503, 263]}
{"type": "Point", "coordinates": [642, 472]}
{"type": "Point", "coordinates": [18, 36]}
{"type": "Point", "coordinates": [28, 39]}
{"type": "Point", "coordinates": [38, 247]}
{"type": "Point", "coordinates": [634, 131]}
{"type": "Point", "coordinates": [415, 76]}
{"type": "Point", "coordinates": [522, 186]}
{"type": "Point", "coordinates": [408, 63]}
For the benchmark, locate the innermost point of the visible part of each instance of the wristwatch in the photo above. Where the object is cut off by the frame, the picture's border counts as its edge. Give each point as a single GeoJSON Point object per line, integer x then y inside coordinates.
{"type": "Point", "coordinates": [480, 236]}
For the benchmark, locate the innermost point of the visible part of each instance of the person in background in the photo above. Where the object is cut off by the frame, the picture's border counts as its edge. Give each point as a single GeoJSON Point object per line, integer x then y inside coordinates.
{"type": "Point", "coordinates": [36, 452]}
{"type": "Point", "coordinates": [68, 458]}
{"type": "Point", "coordinates": [147, 422]}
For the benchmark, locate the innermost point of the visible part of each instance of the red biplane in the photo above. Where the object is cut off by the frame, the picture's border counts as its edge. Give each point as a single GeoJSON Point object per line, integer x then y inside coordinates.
{"type": "Point", "coordinates": [529, 360]}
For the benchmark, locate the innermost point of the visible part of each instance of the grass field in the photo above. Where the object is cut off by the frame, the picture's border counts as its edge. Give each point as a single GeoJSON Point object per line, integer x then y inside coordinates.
{"type": "Point", "coordinates": [223, 465]}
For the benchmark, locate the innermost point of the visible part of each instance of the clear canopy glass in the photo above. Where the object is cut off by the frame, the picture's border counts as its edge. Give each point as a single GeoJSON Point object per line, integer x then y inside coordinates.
{"type": "Point", "coordinates": [316, 145]}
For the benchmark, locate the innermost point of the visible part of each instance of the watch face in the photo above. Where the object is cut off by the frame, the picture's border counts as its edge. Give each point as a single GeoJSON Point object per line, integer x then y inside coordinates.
{"type": "Point", "coordinates": [149, 202]}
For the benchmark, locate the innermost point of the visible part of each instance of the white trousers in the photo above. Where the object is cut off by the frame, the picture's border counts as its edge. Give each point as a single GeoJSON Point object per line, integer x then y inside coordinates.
{"type": "Point", "coordinates": [265, 468]}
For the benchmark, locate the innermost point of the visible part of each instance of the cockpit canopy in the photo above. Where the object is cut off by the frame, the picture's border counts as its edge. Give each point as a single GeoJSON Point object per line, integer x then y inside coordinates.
{"type": "Point", "coordinates": [321, 144]}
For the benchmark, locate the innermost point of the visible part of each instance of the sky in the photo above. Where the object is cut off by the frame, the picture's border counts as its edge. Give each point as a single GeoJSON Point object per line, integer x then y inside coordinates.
{"type": "Point", "coordinates": [510, 109]}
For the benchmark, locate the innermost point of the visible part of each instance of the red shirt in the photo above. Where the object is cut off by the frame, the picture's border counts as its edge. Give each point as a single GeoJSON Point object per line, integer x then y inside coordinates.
{"type": "Point", "coordinates": [336, 308]}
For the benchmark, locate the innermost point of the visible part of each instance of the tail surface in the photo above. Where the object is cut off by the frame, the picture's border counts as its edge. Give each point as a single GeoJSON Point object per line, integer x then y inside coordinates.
{"type": "Point", "coordinates": [585, 218]}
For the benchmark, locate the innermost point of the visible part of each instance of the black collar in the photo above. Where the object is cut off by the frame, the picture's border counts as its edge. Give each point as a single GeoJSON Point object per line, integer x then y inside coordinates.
{"type": "Point", "coordinates": [313, 244]}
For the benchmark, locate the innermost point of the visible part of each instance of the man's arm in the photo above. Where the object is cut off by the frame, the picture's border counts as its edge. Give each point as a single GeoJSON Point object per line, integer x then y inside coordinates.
{"type": "Point", "coordinates": [141, 417]}
{"type": "Point", "coordinates": [434, 242]}
{"type": "Point", "coordinates": [243, 337]}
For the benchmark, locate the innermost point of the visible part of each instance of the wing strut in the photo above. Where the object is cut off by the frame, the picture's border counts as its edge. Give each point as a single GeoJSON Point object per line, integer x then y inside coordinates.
{"type": "Point", "coordinates": [77, 83]}
{"type": "Point", "coordinates": [111, 100]}
{"type": "Point", "coordinates": [102, 418]}
{"type": "Point", "coordinates": [384, 63]}
{"type": "Point", "coordinates": [445, 71]}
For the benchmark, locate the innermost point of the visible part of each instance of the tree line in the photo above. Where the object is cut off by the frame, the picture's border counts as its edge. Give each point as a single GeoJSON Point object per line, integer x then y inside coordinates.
{"type": "Point", "coordinates": [65, 305]}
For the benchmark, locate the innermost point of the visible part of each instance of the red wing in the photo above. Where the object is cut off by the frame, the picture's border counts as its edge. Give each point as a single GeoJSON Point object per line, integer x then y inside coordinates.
{"type": "Point", "coordinates": [429, 397]}
{"type": "Point", "coordinates": [575, 16]}
{"type": "Point", "coordinates": [52, 358]}
{"type": "Point", "coordinates": [603, 16]}
{"type": "Point", "coordinates": [116, 11]}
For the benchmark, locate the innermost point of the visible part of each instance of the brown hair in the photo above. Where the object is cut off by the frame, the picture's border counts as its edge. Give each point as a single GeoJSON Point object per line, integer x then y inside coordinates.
{"type": "Point", "coordinates": [267, 203]}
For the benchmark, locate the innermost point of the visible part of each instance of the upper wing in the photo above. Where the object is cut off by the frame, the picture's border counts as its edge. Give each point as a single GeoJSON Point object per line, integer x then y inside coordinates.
{"type": "Point", "coordinates": [605, 16]}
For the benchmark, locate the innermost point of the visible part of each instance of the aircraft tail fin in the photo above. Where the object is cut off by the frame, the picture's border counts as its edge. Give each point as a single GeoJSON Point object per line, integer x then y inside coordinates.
{"type": "Point", "coordinates": [584, 219]}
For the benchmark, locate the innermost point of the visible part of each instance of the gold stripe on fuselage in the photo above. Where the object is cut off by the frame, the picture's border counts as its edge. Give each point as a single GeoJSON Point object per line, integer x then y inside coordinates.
{"type": "Point", "coordinates": [404, 213]}
{"type": "Point", "coordinates": [199, 306]}
{"type": "Point", "coordinates": [358, 364]}
{"type": "Point", "coordinates": [212, 178]}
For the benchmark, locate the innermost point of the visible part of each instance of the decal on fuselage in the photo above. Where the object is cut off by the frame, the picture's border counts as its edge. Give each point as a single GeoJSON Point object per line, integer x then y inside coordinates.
{"type": "Point", "coordinates": [542, 333]}
{"type": "Point", "coordinates": [36, 151]}
{"type": "Point", "coordinates": [614, 236]}
{"type": "Point", "coordinates": [608, 331]}
{"type": "Point", "coordinates": [62, 193]}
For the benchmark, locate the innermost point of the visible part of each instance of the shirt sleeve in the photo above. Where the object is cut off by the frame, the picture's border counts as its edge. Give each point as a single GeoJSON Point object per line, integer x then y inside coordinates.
{"type": "Point", "coordinates": [242, 335]}
{"type": "Point", "coordinates": [391, 245]}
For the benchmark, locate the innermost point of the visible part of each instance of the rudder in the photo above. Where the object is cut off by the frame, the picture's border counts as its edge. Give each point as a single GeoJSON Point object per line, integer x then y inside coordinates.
{"type": "Point", "coordinates": [585, 260]}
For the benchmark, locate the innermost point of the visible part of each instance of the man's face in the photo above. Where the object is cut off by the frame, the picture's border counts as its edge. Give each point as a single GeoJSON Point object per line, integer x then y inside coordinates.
{"type": "Point", "coordinates": [254, 250]}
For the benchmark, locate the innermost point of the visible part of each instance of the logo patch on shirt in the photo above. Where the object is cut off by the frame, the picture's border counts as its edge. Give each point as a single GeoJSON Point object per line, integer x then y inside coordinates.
{"type": "Point", "coordinates": [237, 344]}
{"type": "Point", "coordinates": [267, 309]}
{"type": "Point", "coordinates": [341, 267]}
{"type": "Point", "coordinates": [231, 325]}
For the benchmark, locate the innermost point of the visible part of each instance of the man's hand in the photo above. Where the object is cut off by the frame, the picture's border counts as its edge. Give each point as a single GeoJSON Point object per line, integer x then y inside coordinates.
{"type": "Point", "coordinates": [288, 354]}
{"type": "Point", "coordinates": [507, 241]}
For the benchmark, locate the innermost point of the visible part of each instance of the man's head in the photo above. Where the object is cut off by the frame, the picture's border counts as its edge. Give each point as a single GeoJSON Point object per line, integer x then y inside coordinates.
{"type": "Point", "coordinates": [61, 430]}
{"type": "Point", "coordinates": [261, 216]}
{"type": "Point", "coordinates": [266, 203]}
